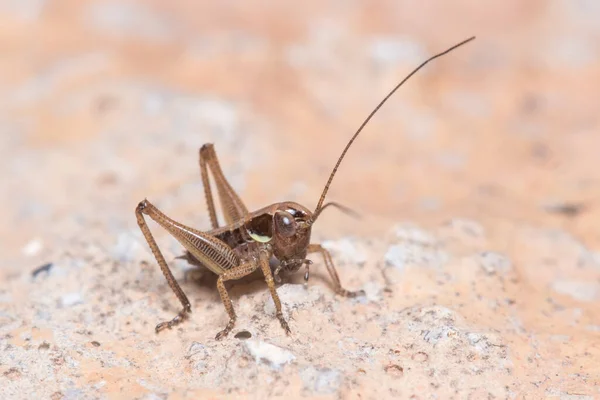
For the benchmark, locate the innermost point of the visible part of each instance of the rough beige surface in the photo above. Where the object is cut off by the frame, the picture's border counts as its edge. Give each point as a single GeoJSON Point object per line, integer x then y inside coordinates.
{"type": "Point", "coordinates": [479, 282]}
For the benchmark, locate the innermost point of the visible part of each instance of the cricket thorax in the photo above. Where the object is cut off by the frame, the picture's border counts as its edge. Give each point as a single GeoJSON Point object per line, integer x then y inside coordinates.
{"type": "Point", "coordinates": [259, 228]}
{"type": "Point", "coordinates": [283, 227]}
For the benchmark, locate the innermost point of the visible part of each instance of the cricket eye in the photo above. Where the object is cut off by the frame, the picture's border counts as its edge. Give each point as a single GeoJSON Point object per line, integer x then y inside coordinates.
{"type": "Point", "coordinates": [284, 223]}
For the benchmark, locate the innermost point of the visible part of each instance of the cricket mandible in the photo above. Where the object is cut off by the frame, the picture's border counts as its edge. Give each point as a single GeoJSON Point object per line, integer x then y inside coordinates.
{"type": "Point", "coordinates": [249, 240]}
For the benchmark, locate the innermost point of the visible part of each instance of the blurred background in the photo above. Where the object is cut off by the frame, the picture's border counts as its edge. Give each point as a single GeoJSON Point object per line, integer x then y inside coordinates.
{"type": "Point", "coordinates": [491, 152]}
{"type": "Point", "coordinates": [104, 103]}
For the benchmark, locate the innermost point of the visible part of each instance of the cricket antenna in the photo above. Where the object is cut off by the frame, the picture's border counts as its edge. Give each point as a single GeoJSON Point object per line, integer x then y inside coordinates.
{"type": "Point", "coordinates": [381, 103]}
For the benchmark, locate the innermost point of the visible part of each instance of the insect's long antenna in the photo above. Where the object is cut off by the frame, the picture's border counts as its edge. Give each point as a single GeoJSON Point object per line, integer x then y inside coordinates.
{"type": "Point", "coordinates": [322, 199]}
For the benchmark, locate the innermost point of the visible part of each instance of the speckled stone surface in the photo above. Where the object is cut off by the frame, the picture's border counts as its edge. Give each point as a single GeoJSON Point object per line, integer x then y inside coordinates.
{"type": "Point", "coordinates": [478, 244]}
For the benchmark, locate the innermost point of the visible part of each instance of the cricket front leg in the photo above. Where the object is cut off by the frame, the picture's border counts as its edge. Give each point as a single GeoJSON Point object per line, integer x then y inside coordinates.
{"type": "Point", "coordinates": [208, 250]}
{"type": "Point", "coordinates": [235, 273]}
{"type": "Point", "coordinates": [231, 204]}
{"type": "Point", "coordinates": [238, 273]}
{"type": "Point", "coordinates": [317, 248]}
{"type": "Point", "coordinates": [264, 257]}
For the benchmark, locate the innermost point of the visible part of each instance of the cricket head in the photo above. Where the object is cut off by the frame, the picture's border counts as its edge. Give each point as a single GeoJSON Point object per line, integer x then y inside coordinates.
{"type": "Point", "coordinates": [291, 226]}
{"type": "Point", "coordinates": [320, 206]}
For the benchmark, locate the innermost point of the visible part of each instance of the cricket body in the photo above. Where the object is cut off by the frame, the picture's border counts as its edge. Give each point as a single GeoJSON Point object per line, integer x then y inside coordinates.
{"type": "Point", "coordinates": [249, 240]}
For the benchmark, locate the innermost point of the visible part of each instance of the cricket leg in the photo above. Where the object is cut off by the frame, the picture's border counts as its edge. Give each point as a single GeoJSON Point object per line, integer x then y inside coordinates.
{"type": "Point", "coordinates": [293, 264]}
{"type": "Point", "coordinates": [266, 269]}
{"type": "Point", "coordinates": [235, 273]}
{"type": "Point", "coordinates": [317, 248]}
{"type": "Point", "coordinates": [207, 249]}
{"type": "Point", "coordinates": [160, 259]}
{"type": "Point", "coordinates": [231, 204]}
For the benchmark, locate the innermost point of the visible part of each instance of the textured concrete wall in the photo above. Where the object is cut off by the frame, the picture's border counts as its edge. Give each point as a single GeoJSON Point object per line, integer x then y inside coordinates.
{"type": "Point", "coordinates": [478, 186]}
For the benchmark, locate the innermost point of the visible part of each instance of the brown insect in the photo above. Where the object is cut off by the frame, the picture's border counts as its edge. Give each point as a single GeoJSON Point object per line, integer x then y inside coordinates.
{"type": "Point", "coordinates": [249, 240]}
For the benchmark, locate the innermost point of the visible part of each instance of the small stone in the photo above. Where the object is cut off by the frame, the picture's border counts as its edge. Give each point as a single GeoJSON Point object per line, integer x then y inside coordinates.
{"type": "Point", "coordinates": [473, 338]}
{"type": "Point", "coordinates": [243, 335]}
{"type": "Point", "coordinates": [71, 299]}
{"type": "Point", "coordinates": [42, 268]}
{"type": "Point", "coordinates": [269, 354]}
{"type": "Point", "coordinates": [32, 248]}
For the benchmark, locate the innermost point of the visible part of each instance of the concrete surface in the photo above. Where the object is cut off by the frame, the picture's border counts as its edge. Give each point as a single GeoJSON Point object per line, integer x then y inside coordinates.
{"type": "Point", "coordinates": [478, 187]}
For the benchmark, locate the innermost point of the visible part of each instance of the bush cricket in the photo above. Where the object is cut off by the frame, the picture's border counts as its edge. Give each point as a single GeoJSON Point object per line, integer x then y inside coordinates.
{"type": "Point", "coordinates": [249, 240]}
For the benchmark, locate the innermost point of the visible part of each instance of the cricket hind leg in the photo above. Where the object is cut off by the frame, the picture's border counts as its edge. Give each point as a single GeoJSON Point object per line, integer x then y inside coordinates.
{"type": "Point", "coordinates": [232, 206]}
{"type": "Point", "coordinates": [206, 249]}
{"type": "Point", "coordinates": [317, 248]}
{"type": "Point", "coordinates": [160, 259]}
